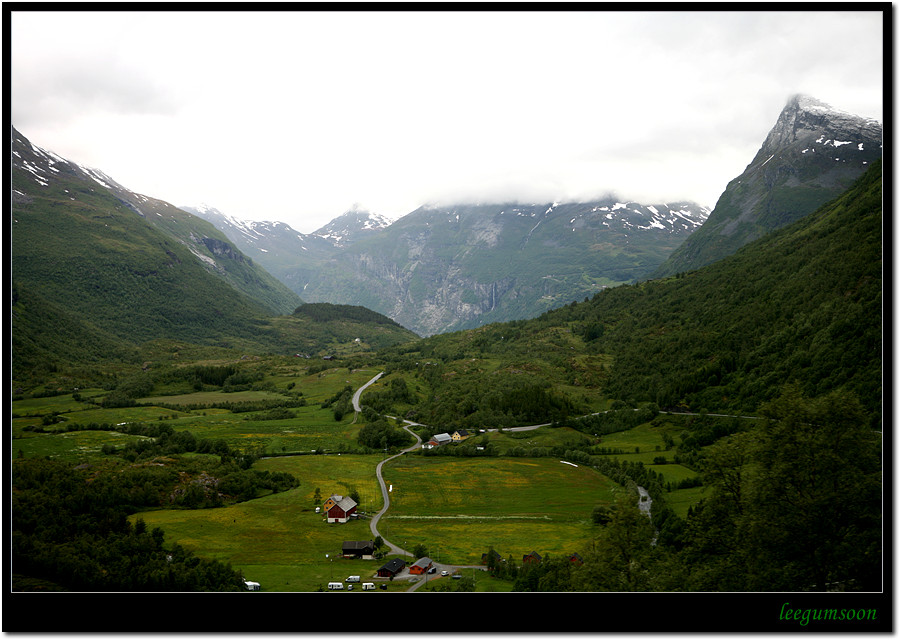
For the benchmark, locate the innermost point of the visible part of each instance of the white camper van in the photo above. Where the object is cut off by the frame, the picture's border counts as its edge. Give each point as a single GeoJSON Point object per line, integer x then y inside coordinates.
{"type": "Point", "coordinates": [352, 579]}
{"type": "Point", "coordinates": [335, 586]}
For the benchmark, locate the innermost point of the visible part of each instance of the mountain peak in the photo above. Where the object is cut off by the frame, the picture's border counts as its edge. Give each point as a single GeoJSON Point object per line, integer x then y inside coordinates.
{"type": "Point", "coordinates": [803, 102]}
{"type": "Point", "coordinates": [805, 117]}
{"type": "Point", "coordinates": [351, 225]}
{"type": "Point", "coordinates": [812, 154]}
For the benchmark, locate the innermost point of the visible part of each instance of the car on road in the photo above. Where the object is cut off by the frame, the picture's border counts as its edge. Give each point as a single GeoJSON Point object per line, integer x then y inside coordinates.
{"type": "Point", "coordinates": [432, 570]}
{"type": "Point", "coordinates": [445, 573]}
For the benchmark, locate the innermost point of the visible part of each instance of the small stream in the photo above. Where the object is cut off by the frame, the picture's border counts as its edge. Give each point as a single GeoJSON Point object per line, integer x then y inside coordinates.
{"type": "Point", "coordinates": [644, 503]}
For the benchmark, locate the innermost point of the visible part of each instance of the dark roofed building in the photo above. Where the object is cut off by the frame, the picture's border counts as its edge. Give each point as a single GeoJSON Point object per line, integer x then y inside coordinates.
{"type": "Point", "coordinates": [364, 549]}
{"type": "Point", "coordinates": [391, 568]}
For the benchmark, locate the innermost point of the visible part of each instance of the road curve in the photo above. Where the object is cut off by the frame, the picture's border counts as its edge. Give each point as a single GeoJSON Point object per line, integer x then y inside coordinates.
{"type": "Point", "coordinates": [359, 391]}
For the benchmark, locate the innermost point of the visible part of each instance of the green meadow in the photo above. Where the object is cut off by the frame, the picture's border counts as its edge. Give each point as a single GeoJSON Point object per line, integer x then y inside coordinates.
{"type": "Point", "coordinates": [460, 507]}
{"type": "Point", "coordinates": [279, 540]}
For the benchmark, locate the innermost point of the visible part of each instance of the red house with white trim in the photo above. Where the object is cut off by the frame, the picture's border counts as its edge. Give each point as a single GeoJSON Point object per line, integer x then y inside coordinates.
{"type": "Point", "coordinates": [339, 508]}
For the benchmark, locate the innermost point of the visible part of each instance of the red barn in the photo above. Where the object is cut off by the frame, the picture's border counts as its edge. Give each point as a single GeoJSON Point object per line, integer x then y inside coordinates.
{"type": "Point", "coordinates": [341, 510]}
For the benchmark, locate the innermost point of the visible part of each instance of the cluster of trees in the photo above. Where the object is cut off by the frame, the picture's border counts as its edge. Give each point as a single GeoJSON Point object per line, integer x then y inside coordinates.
{"type": "Point", "coordinates": [473, 401]}
{"type": "Point", "coordinates": [341, 403]}
{"type": "Point", "coordinates": [70, 528]}
{"type": "Point", "coordinates": [325, 312]}
{"type": "Point", "coordinates": [379, 435]}
{"type": "Point", "coordinates": [216, 481]}
{"type": "Point", "coordinates": [619, 418]}
{"type": "Point", "coordinates": [396, 392]}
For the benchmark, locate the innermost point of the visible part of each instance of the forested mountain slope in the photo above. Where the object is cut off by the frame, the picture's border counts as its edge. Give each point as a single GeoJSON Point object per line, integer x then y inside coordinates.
{"type": "Point", "coordinates": [98, 270]}
{"type": "Point", "coordinates": [802, 305]}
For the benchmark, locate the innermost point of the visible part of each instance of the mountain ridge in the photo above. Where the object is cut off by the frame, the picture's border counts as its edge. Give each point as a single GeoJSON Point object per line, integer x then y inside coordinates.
{"type": "Point", "coordinates": [810, 156]}
{"type": "Point", "coordinates": [441, 268]}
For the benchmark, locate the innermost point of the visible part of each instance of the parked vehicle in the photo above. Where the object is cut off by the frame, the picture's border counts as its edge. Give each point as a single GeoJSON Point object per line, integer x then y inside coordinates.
{"type": "Point", "coordinates": [352, 579]}
{"type": "Point", "coordinates": [432, 570]}
{"type": "Point", "coordinates": [368, 586]}
{"type": "Point", "coordinates": [445, 573]}
{"type": "Point", "coordinates": [335, 586]}
{"type": "Point", "coordinates": [349, 587]}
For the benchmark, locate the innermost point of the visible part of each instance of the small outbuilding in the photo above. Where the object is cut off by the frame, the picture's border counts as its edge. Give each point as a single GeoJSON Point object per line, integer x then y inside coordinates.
{"type": "Point", "coordinates": [364, 549]}
{"type": "Point", "coordinates": [391, 568]}
{"type": "Point", "coordinates": [420, 566]}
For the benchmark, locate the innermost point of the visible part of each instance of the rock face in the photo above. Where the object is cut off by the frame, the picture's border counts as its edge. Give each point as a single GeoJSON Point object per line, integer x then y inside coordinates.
{"type": "Point", "coordinates": [812, 154]}
{"type": "Point", "coordinates": [440, 269]}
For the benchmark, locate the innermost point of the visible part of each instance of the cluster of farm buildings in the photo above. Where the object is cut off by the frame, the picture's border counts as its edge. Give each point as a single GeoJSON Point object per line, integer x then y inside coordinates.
{"type": "Point", "coordinates": [445, 438]}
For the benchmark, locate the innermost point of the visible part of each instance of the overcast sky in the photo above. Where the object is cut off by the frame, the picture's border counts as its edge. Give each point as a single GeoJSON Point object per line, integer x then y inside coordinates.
{"type": "Point", "coordinates": [297, 116]}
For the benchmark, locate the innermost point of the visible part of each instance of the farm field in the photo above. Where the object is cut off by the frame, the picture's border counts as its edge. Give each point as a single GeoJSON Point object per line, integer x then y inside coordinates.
{"type": "Point", "coordinates": [74, 446]}
{"type": "Point", "coordinates": [458, 508]}
{"type": "Point", "coordinates": [647, 438]}
{"type": "Point", "coordinates": [311, 428]}
{"type": "Point", "coordinates": [278, 540]}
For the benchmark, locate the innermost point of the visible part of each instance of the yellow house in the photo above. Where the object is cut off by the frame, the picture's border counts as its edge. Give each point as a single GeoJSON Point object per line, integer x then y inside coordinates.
{"type": "Point", "coordinates": [460, 435]}
{"type": "Point", "coordinates": [332, 500]}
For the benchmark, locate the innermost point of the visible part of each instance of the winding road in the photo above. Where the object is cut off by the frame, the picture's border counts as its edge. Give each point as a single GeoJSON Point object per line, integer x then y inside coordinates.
{"type": "Point", "coordinates": [385, 493]}
{"type": "Point", "coordinates": [644, 500]}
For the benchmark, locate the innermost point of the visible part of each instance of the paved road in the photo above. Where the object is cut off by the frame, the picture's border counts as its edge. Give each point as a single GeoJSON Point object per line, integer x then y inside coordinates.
{"type": "Point", "coordinates": [359, 391]}
{"type": "Point", "coordinates": [385, 494]}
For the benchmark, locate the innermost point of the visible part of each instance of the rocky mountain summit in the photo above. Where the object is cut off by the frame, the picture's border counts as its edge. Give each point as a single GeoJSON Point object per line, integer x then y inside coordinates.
{"type": "Point", "coordinates": [812, 154]}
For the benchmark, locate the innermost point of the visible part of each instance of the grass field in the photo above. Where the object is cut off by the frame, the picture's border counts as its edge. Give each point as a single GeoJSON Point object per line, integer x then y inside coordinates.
{"type": "Point", "coordinates": [460, 507]}
{"type": "Point", "coordinates": [278, 540]}
{"type": "Point", "coordinates": [75, 446]}
{"type": "Point", "coordinates": [311, 428]}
